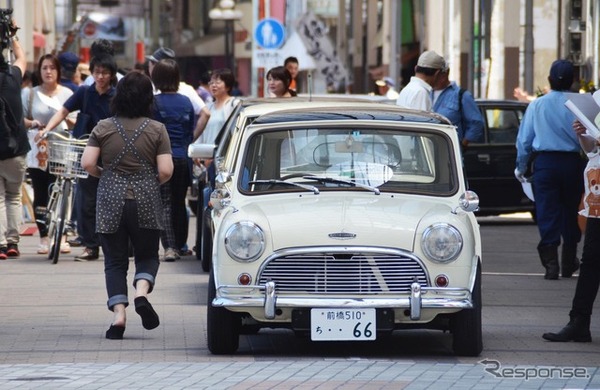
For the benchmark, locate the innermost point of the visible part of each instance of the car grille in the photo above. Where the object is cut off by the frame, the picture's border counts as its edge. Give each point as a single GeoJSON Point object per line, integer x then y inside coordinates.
{"type": "Point", "coordinates": [343, 273]}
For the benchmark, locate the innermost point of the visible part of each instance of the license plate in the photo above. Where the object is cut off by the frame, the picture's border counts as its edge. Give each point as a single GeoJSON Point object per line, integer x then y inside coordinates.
{"type": "Point", "coordinates": [342, 324]}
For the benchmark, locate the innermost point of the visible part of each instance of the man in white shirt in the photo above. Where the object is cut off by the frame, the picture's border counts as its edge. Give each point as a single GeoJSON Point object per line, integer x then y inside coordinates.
{"type": "Point", "coordinates": [417, 93]}
{"type": "Point", "coordinates": [185, 89]}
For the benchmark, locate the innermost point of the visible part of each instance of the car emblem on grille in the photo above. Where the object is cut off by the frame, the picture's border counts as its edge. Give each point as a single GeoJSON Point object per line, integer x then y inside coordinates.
{"type": "Point", "coordinates": [342, 236]}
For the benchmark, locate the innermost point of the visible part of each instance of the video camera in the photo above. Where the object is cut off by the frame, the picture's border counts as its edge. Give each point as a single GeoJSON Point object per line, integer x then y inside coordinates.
{"type": "Point", "coordinates": [7, 28]}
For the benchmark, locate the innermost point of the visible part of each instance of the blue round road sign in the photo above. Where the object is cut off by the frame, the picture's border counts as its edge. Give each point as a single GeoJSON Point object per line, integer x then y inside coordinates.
{"type": "Point", "coordinates": [269, 33]}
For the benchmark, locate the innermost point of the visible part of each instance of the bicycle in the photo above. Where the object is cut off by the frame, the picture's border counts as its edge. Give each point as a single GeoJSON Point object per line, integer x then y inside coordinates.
{"type": "Point", "coordinates": [64, 161]}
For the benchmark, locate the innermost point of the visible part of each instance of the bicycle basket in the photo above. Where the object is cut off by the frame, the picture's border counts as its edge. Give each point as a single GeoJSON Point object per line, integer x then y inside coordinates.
{"type": "Point", "coordinates": [64, 158]}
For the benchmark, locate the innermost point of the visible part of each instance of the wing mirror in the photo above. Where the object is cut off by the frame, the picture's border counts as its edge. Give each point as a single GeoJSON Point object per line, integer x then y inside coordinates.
{"type": "Point", "coordinates": [201, 151]}
{"type": "Point", "coordinates": [468, 201]}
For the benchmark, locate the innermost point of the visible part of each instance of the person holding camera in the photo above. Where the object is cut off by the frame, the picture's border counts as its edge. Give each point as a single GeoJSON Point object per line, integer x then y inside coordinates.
{"type": "Point", "coordinates": [15, 144]}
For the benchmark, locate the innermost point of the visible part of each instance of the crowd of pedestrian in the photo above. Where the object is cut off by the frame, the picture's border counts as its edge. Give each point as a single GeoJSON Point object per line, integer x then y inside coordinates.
{"type": "Point", "coordinates": [141, 121]}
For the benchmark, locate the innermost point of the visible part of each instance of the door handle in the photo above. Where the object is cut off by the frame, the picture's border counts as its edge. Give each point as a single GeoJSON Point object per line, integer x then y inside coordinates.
{"type": "Point", "coordinates": [484, 158]}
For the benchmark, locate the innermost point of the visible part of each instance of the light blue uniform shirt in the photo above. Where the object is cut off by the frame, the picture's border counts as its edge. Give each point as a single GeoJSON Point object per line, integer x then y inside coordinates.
{"type": "Point", "coordinates": [469, 122]}
{"type": "Point", "coordinates": [546, 127]}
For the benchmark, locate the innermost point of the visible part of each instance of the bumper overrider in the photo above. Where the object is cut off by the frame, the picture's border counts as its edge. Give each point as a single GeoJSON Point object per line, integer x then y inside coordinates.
{"type": "Point", "coordinates": [265, 296]}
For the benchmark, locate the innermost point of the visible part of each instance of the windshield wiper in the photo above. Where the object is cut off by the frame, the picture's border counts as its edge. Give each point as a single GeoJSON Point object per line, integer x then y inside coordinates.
{"type": "Point", "coordinates": [313, 189]}
{"type": "Point", "coordinates": [322, 179]}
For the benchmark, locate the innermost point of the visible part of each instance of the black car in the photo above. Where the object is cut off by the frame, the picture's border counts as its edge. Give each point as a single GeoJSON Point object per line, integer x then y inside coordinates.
{"type": "Point", "coordinates": [490, 165]}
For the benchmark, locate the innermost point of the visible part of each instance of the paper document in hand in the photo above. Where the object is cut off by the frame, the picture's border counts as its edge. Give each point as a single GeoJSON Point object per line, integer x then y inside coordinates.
{"type": "Point", "coordinates": [586, 109]}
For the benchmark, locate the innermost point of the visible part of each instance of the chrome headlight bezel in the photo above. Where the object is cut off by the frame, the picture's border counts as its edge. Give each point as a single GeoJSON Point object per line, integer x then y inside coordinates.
{"type": "Point", "coordinates": [245, 241]}
{"type": "Point", "coordinates": [442, 243]}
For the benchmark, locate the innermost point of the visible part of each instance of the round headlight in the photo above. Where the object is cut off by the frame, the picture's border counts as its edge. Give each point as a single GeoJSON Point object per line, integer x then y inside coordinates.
{"type": "Point", "coordinates": [244, 241]}
{"type": "Point", "coordinates": [442, 242]}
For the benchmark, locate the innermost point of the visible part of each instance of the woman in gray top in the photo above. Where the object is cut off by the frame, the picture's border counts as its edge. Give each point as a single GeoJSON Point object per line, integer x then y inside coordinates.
{"type": "Point", "coordinates": [137, 158]}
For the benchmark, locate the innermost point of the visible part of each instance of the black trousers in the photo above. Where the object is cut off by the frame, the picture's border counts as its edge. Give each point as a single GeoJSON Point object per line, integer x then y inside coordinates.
{"type": "Point", "coordinates": [85, 203]}
{"type": "Point", "coordinates": [589, 273]}
{"type": "Point", "coordinates": [40, 182]}
{"type": "Point", "coordinates": [115, 247]}
{"type": "Point", "coordinates": [173, 194]}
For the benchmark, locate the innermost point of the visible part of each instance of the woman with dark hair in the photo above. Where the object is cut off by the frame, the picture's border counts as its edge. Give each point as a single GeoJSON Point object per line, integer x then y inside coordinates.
{"type": "Point", "coordinates": [93, 100]}
{"type": "Point", "coordinates": [177, 114]}
{"type": "Point", "coordinates": [137, 158]}
{"type": "Point", "coordinates": [222, 82]}
{"type": "Point", "coordinates": [278, 82]}
{"type": "Point", "coordinates": [39, 105]}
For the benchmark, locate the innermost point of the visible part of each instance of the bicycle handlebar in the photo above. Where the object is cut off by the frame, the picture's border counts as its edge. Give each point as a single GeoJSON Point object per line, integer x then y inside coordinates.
{"type": "Point", "coordinates": [61, 135]}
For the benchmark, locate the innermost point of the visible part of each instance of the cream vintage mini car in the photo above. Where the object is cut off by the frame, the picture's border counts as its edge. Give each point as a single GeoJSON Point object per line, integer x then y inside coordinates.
{"type": "Point", "coordinates": [342, 220]}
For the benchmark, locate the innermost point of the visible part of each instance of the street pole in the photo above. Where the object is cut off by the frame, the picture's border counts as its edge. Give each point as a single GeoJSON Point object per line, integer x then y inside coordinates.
{"type": "Point", "coordinates": [529, 47]}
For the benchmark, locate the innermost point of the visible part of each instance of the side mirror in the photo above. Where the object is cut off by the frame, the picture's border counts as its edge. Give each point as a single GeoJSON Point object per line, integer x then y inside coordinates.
{"type": "Point", "coordinates": [219, 199]}
{"type": "Point", "coordinates": [201, 151]}
{"type": "Point", "coordinates": [469, 201]}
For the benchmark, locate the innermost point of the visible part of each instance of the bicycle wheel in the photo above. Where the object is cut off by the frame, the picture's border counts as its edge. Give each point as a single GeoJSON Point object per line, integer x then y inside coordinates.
{"type": "Point", "coordinates": [61, 219]}
{"type": "Point", "coordinates": [51, 212]}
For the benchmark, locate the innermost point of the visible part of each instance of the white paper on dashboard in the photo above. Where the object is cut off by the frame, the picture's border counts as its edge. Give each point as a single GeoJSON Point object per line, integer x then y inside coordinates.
{"type": "Point", "coordinates": [586, 109]}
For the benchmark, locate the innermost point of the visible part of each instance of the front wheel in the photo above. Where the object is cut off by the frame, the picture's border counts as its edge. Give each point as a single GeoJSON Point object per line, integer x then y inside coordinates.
{"type": "Point", "coordinates": [61, 216]}
{"type": "Point", "coordinates": [222, 326]}
{"type": "Point", "coordinates": [466, 325]}
{"type": "Point", "coordinates": [207, 240]}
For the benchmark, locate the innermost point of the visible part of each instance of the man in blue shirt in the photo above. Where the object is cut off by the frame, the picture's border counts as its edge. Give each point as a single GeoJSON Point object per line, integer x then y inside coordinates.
{"type": "Point", "coordinates": [546, 132]}
{"type": "Point", "coordinates": [459, 107]}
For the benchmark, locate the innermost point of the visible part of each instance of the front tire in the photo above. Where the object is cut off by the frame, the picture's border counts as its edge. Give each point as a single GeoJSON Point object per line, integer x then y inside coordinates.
{"type": "Point", "coordinates": [466, 325]}
{"type": "Point", "coordinates": [222, 325]}
{"type": "Point", "coordinates": [206, 242]}
{"type": "Point", "coordinates": [63, 204]}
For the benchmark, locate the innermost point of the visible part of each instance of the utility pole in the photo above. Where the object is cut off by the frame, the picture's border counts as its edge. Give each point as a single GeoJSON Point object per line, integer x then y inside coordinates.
{"type": "Point", "coordinates": [528, 46]}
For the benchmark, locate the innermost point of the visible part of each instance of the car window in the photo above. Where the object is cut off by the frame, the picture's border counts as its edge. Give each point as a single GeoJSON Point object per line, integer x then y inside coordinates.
{"type": "Point", "coordinates": [503, 124]}
{"type": "Point", "coordinates": [391, 160]}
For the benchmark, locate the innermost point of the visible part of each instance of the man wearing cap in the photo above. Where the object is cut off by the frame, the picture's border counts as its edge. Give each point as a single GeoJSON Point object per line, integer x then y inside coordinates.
{"type": "Point", "coordinates": [68, 69]}
{"type": "Point", "coordinates": [417, 93]}
{"type": "Point", "coordinates": [457, 104]}
{"type": "Point", "coordinates": [185, 89]}
{"type": "Point", "coordinates": [386, 88]}
{"type": "Point", "coordinates": [546, 132]}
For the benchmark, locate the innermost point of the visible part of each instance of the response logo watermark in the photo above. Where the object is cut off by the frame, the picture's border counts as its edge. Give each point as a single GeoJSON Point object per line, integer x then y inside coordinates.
{"type": "Point", "coordinates": [494, 367]}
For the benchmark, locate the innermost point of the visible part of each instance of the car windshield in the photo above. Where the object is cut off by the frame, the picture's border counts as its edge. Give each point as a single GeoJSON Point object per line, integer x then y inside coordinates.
{"type": "Point", "coordinates": [340, 159]}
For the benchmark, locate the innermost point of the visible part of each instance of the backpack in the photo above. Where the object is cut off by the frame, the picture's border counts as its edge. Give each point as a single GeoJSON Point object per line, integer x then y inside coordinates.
{"type": "Point", "coordinates": [9, 126]}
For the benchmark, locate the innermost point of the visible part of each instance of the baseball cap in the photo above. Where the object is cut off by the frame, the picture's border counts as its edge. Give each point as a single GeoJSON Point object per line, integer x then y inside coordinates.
{"type": "Point", "coordinates": [385, 81]}
{"type": "Point", "coordinates": [68, 61]}
{"type": "Point", "coordinates": [562, 70]}
{"type": "Point", "coordinates": [161, 53]}
{"type": "Point", "coordinates": [431, 59]}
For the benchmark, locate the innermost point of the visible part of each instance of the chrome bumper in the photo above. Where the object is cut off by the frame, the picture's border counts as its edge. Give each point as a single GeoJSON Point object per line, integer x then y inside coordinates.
{"type": "Point", "coordinates": [419, 298]}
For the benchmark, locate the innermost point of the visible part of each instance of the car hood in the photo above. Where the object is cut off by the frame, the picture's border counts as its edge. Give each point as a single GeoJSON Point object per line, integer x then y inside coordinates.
{"type": "Point", "coordinates": [328, 219]}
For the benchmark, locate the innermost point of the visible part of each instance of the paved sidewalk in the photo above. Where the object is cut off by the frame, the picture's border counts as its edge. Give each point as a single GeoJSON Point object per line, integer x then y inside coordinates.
{"type": "Point", "coordinates": [53, 319]}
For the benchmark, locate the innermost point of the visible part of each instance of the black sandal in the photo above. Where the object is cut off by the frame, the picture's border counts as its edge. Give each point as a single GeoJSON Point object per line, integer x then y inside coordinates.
{"type": "Point", "coordinates": [146, 311]}
{"type": "Point", "coordinates": [115, 332]}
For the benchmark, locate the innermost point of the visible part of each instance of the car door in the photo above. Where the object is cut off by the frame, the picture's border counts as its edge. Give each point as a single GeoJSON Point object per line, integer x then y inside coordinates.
{"type": "Point", "coordinates": [490, 165]}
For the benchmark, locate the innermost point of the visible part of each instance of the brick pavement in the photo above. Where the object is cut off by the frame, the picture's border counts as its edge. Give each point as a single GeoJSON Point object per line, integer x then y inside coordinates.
{"type": "Point", "coordinates": [53, 319]}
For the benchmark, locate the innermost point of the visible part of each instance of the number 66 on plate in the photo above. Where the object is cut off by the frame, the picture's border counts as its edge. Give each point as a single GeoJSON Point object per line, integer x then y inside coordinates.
{"type": "Point", "coordinates": [337, 324]}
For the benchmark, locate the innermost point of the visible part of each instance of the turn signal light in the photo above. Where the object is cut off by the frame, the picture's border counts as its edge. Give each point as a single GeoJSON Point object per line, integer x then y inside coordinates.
{"type": "Point", "coordinates": [441, 281]}
{"type": "Point", "coordinates": [244, 279]}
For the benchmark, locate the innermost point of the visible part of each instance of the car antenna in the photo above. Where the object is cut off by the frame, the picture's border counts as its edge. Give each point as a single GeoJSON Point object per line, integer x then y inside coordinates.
{"type": "Point", "coordinates": [310, 85]}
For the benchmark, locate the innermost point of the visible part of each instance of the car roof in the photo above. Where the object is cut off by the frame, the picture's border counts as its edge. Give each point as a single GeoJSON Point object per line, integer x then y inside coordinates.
{"type": "Point", "coordinates": [293, 109]}
{"type": "Point", "coordinates": [500, 103]}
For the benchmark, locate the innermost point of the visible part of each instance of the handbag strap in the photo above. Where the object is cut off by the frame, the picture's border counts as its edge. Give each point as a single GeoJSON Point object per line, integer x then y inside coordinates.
{"type": "Point", "coordinates": [30, 104]}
